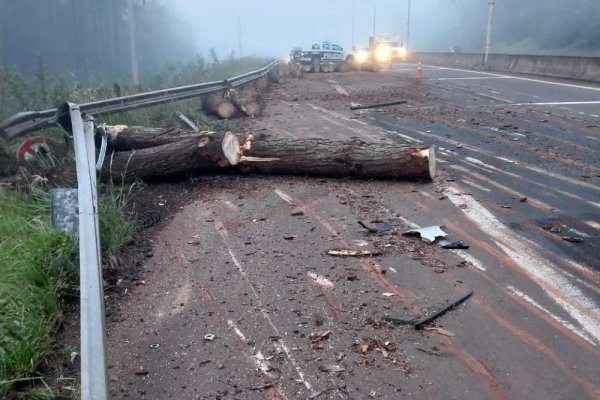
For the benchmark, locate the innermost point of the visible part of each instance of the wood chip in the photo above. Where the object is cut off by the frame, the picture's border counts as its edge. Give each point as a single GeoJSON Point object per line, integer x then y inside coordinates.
{"type": "Point", "coordinates": [352, 253]}
{"type": "Point", "coordinates": [439, 330]}
{"type": "Point", "coordinates": [331, 368]}
{"type": "Point", "coordinates": [319, 336]}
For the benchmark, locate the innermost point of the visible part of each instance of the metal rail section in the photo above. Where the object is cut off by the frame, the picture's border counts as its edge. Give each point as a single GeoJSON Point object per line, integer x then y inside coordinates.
{"type": "Point", "coordinates": [78, 121]}
{"type": "Point", "coordinates": [25, 122]}
{"type": "Point", "coordinates": [94, 377]}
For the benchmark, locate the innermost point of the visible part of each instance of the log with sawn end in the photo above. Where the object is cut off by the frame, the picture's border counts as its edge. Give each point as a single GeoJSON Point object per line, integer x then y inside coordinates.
{"type": "Point", "coordinates": [218, 105]}
{"type": "Point", "coordinates": [245, 101]}
{"type": "Point", "coordinates": [261, 84]}
{"type": "Point", "coordinates": [278, 74]}
{"type": "Point", "coordinates": [267, 154]}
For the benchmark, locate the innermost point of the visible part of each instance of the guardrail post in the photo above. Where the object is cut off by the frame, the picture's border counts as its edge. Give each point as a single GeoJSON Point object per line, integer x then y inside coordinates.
{"type": "Point", "coordinates": [94, 377]}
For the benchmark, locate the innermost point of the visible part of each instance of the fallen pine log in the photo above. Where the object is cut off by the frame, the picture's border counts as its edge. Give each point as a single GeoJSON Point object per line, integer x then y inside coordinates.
{"type": "Point", "coordinates": [278, 74]}
{"type": "Point", "coordinates": [261, 84]}
{"type": "Point", "coordinates": [218, 105]}
{"type": "Point", "coordinates": [266, 154]}
{"type": "Point", "coordinates": [123, 137]}
{"type": "Point", "coordinates": [246, 103]}
{"type": "Point", "coordinates": [342, 67]}
{"type": "Point", "coordinates": [295, 70]}
{"type": "Point", "coordinates": [250, 91]}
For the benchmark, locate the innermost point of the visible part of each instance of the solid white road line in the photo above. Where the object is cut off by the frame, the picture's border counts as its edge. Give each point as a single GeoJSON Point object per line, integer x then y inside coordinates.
{"type": "Point", "coordinates": [558, 319]}
{"type": "Point", "coordinates": [558, 103]}
{"type": "Point", "coordinates": [543, 272]}
{"type": "Point", "coordinates": [258, 358]}
{"type": "Point", "coordinates": [521, 78]}
{"type": "Point", "coordinates": [265, 314]}
{"type": "Point", "coordinates": [468, 78]}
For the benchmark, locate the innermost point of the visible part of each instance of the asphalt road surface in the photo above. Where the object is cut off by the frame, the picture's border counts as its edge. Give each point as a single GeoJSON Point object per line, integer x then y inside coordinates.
{"type": "Point", "coordinates": [246, 259]}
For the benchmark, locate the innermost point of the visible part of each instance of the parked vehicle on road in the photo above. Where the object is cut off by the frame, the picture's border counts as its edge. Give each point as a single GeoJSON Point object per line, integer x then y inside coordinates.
{"type": "Point", "coordinates": [319, 53]}
{"type": "Point", "coordinates": [381, 50]}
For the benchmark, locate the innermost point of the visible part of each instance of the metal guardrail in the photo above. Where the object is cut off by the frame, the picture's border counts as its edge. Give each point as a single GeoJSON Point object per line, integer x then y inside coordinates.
{"type": "Point", "coordinates": [94, 374]}
{"type": "Point", "coordinates": [25, 122]}
{"type": "Point", "coordinates": [78, 121]}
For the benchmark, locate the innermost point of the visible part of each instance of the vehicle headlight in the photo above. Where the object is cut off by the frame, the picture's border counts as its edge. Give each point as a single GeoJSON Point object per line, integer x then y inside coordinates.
{"type": "Point", "coordinates": [383, 53]}
{"type": "Point", "coordinates": [402, 52]}
{"type": "Point", "coordinates": [361, 56]}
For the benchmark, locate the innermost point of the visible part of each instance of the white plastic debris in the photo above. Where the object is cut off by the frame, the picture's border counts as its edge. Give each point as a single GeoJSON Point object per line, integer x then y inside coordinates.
{"type": "Point", "coordinates": [428, 234]}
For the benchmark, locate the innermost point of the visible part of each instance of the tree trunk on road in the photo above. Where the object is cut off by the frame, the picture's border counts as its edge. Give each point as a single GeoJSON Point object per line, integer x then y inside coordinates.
{"type": "Point", "coordinates": [122, 137]}
{"type": "Point", "coordinates": [278, 74]}
{"type": "Point", "coordinates": [316, 157]}
{"type": "Point", "coordinates": [261, 84]}
{"type": "Point", "coordinates": [218, 105]}
{"type": "Point", "coordinates": [246, 103]}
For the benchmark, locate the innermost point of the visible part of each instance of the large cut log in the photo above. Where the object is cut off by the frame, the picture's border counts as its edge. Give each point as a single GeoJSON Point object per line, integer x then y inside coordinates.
{"type": "Point", "coordinates": [276, 155]}
{"type": "Point", "coordinates": [123, 137]}
{"type": "Point", "coordinates": [277, 74]}
{"type": "Point", "coordinates": [248, 104]}
{"type": "Point", "coordinates": [250, 91]}
{"type": "Point", "coordinates": [324, 157]}
{"type": "Point", "coordinates": [342, 67]}
{"type": "Point", "coordinates": [261, 84]}
{"type": "Point", "coordinates": [218, 105]}
{"type": "Point", "coordinates": [161, 161]}
{"type": "Point", "coordinates": [295, 70]}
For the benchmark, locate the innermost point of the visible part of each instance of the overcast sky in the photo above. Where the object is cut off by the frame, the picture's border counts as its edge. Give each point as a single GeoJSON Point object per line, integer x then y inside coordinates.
{"type": "Point", "coordinates": [273, 27]}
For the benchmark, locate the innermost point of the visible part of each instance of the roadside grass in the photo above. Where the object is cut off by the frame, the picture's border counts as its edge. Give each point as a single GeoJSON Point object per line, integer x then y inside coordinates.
{"type": "Point", "coordinates": [39, 266]}
{"type": "Point", "coordinates": [39, 276]}
{"type": "Point", "coordinates": [38, 270]}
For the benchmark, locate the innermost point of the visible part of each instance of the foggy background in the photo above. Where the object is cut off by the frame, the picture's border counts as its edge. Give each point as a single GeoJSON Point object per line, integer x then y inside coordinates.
{"type": "Point", "coordinates": [91, 38]}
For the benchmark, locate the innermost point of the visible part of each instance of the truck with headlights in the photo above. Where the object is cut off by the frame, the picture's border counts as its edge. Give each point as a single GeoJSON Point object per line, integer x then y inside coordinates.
{"type": "Point", "coordinates": [381, 50]}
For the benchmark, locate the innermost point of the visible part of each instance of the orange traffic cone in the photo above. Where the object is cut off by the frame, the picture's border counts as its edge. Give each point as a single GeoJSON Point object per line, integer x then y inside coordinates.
{"type": "Point", "coordinates": [419, 74]}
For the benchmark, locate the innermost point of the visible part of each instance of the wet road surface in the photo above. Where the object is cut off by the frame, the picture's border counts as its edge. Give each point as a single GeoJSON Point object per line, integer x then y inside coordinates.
{"type": "Point", "coordinates": [247, 262]}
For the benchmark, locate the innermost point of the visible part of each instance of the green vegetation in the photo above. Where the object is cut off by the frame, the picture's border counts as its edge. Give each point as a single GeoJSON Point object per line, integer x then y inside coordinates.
{"type": "Point", "coordinates": [549, 27]}
{"type": "Point", "coordinates": [39, 274]}
{"type": "Point", "coordinates": [49, 90]}
{"type": "Point", "coordinates": [39, 266]}
{"type": "Point", "coordinates": [38, 269]}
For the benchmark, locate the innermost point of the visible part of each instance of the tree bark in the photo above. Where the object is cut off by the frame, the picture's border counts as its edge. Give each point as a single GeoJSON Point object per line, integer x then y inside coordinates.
{"type": "Point", "coordinates": [123, 137]}
{"type": "Point", "coordinates": [342, 67]}
{"type": "Point", "coordinates": [261, 84]}
{"type": "Point", "coordinates": [275, 155]}
{"type": "Point", "coordinates": [218, 105]}
{"type": "Point", "coordinates": [277, 75]}
{"type": "Point", "coordinates": [250, 91]}
{"type": "Point", "coordinates": [295, 70]}
{"type": "Point", "coordinates": [248, 104]}
{"type": "Point", "coordinates": [166, 160]}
